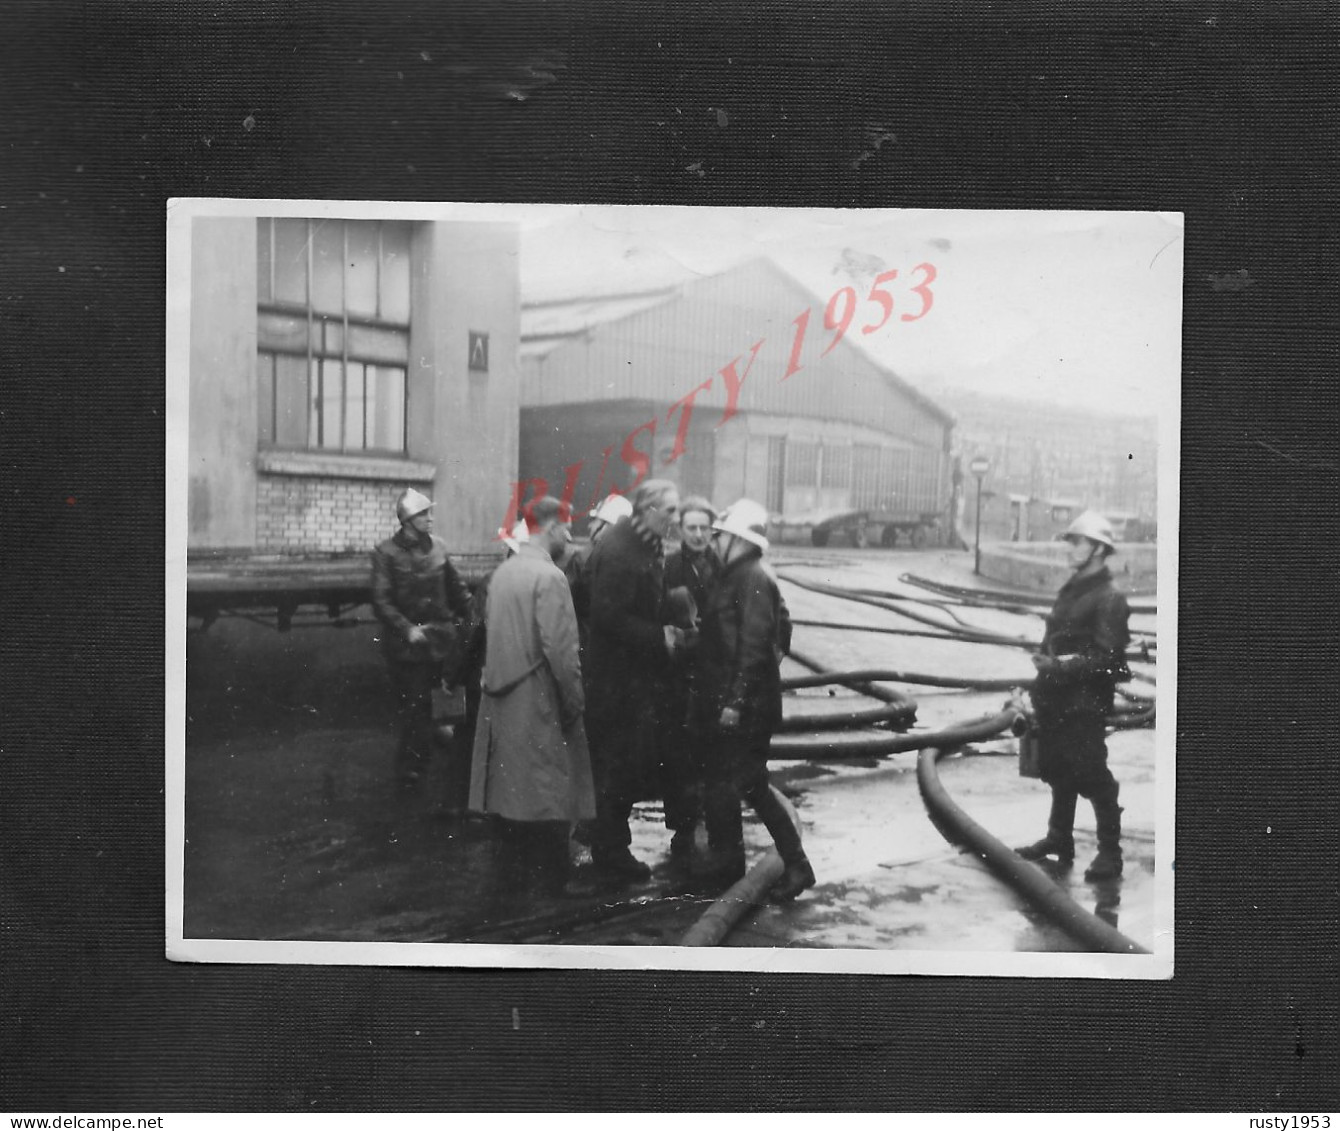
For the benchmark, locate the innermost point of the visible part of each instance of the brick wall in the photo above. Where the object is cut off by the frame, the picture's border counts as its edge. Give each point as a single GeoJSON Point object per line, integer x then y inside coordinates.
{"type": "Point", "coordinates": [318, 513]}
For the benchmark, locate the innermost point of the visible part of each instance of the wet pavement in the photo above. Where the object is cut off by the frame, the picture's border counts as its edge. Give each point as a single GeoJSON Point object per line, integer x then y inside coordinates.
{"type": "Point", "coordinates": [295, 831]}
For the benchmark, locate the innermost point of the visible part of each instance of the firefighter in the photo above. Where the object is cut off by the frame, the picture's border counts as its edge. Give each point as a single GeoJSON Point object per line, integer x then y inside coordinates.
{"type": "Point", "coordinates": [422, 603]}
{"type": "Point", "coordinates": [1081, 660]}
{"type": "Point", "coordinates": [738, 702]}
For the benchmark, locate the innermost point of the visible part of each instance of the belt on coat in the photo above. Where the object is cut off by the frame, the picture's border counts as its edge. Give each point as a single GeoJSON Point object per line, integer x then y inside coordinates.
{"type": "Point", "coordinates": [511, 685]}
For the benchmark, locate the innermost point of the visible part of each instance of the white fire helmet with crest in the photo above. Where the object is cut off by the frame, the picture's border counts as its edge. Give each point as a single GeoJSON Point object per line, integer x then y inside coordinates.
{"type": "Point", "coordinates": [745, 519]}
{"type": "Point", "coordinates": [520, 533]}
{"type": "Point", "coordinates": [1095, 527]}
{"type": "Point", "coordinates": [612, 509]}
{"type": "Point", "coordinates": [410, 503]}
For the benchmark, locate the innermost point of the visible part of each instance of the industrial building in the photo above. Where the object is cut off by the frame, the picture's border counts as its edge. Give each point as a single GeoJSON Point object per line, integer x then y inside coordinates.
{"type": "Point", "coordinates": [730, 385]}
{"type": "Point", "coordinates": [335, 362]}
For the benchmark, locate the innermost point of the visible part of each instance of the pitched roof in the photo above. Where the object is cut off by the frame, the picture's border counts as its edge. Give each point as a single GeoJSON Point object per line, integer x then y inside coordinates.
{"type": "Point", "coordinates": [548, 324]}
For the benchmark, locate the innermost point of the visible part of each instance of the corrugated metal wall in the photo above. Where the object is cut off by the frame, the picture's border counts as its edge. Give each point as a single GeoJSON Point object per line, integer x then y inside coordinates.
{"type": "Point", "coordinates": [664, 353]}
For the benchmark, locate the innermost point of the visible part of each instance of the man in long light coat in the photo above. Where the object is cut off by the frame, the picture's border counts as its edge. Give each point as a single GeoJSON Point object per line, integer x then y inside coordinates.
{"type": "Point", "coordinates": [531, 766]}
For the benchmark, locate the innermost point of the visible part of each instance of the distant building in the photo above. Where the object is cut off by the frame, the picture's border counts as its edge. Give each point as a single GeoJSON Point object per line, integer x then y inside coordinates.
{"type": "Point", "coordinates": [1049, 462]}
{"type": "Point", "coordinates": [333, 363]}
{"type": "Point", "coordinates": [691, 383]}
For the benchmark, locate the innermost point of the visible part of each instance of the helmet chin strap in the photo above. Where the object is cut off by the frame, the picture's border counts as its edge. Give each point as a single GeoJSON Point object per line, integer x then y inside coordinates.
{"type": "Point", "coordinates": [1093, 549]}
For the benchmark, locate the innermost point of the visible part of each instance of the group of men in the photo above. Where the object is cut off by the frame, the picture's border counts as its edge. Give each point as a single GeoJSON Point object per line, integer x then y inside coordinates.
{"type": "Point", "coordinates": [601, 675]}
{"type": "Point", "coordinates": [607, 674]}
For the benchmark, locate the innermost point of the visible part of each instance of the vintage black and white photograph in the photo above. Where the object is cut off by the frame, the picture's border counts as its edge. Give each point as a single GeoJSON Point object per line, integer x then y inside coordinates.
{"type": "Point", "coordinates": [685, 588]}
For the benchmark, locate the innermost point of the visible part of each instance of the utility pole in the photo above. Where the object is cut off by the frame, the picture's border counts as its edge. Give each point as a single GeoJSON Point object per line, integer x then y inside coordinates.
{"type": "Point", "coordinates": [979, 467]}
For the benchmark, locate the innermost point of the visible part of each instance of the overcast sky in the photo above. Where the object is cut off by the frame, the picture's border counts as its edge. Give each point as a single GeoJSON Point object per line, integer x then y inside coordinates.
{"type": "Point", "coordinates": [1074, 308]}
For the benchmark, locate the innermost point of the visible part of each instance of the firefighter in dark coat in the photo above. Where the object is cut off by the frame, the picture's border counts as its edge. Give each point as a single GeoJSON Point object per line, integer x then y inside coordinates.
{"type": "Point", "coordinates": [421, 602]}
{"type": "Point", "coordinates": [738, 702]}
{"type": "Point", "coordinates": [1080, 662]}
{"type": "Point", "coordinates": [627, 661]}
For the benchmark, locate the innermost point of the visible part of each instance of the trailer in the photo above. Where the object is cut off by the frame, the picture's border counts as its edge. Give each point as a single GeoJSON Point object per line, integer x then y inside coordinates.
{"type": "Point", "coordinates": [288, 591]}
{"type": "Point", "coordinates": [861, 527]}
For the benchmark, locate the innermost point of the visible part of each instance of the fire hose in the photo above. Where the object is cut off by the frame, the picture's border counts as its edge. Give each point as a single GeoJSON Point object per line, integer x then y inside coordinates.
{"type": "Point", "coordinates": [1126, 718]}
{"type": "Point", "coordinates": [975, 636]}
{"type": "Point", "coordinates": [974, 595]}
{"type": "Point", "coordinates": [1025, 878]}
{"type": "Point", "coordinates": [817, 748]}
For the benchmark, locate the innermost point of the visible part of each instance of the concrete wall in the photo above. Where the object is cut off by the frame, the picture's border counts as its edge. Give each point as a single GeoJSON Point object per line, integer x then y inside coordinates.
{"type": "Point", "coordinates": [221, 500]}
{"type": "Point", "coordinates": [461, 425]}
{"type": "Point", "coordinates": [465, 422]}
{"type": "Point", "coordinates": [1043, 565]}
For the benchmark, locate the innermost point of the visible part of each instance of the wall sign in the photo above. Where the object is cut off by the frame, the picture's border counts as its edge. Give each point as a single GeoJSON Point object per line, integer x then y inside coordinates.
{"type": "Point", "coordinates": [479, 352]}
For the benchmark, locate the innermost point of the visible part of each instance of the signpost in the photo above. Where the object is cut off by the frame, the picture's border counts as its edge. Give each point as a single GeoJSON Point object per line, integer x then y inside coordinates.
{"type": "Point", "coordinates": [979, 467]}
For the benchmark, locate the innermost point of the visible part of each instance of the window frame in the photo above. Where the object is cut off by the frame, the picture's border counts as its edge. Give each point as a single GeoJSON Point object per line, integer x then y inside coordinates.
{"type": "Point", "coordinates": [316, 357]}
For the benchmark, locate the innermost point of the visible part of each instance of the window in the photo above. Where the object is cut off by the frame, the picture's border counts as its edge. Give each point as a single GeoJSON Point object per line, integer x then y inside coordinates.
{"type": "Point", "coordinates": [865, 477]}
{"type": "Point", "coordinates": [836, 466]}
{"type": "Point", "coordinates": [332, 342]}
{"type": "Point", "coordinates": [802, 464]}
{"type": "Point", "coordinates": [776, 473]}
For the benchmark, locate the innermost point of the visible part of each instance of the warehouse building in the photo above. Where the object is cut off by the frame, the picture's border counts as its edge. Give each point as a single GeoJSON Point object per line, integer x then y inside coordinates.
{"type": "Point", "coordinates": [731, 386]}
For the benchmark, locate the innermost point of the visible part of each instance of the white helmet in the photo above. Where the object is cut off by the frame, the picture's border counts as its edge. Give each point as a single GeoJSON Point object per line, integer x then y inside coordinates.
{"type": "Point", "coordinates": [411, 503]}
{"type": "Point", "coordinates": [1095, 527]}
{"type": "Point", "coordinates": [612, 509]}
{"type": "Point", "coordinates": [745, 519]}
{"type": "Point", "coordinates": [520, 533]}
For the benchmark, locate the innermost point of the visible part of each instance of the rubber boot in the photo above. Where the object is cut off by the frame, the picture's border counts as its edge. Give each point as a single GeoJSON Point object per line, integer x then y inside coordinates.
{"type": "Point", "coordinates": [799, 875]}
{"type": "Point", "coordinates": [1060, 838]}
{"type": "Point", "coordinates": [1107, 864]}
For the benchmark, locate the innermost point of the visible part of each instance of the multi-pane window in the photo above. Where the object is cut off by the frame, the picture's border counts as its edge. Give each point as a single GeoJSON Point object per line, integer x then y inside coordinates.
{"type": "Point", "coordinates": [332, 344]}
{"type": "Point", "coordinates": [865, 477]}
{"type": "Point", "coordinates": [836, 466]}
{"type": "Point", "coordinates": [776, 472]}
{"type": "Point", "coordinates": [802, 464]}
{"type": "Point", "coordinates": [895, 478]}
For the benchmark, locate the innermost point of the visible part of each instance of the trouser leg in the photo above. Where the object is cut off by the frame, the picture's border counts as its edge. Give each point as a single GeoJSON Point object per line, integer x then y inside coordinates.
{"type": "Point", "coordinates": [721, 795]}
{"type": "Point", "coordinates": [679, 781]}
{"type": "Point", "coordinates": [757, 790]}
{"type": "Point", "coordinates": [460, 753]}
{"type": "Point", "coordinates": [772, 811]}
{"type": "Point", "coordinates": [1108, 863]}
{"type": "Point", "coordinates": [414, 692]}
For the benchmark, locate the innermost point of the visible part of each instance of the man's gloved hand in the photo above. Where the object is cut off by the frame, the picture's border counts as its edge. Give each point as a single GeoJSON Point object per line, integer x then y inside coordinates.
{"type": "Point", "coordinates": [1043, 664]}
{"type": "Point", "coordinates": [730, 718]}
{"type": "Point", "coordinates": [416, 634]}
{"type": "Point", "coordinates": [674, 638]}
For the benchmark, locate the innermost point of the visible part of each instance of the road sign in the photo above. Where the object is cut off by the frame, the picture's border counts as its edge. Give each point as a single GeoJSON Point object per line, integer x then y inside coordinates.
{"type": "Point", "coordinates": [980, 466]}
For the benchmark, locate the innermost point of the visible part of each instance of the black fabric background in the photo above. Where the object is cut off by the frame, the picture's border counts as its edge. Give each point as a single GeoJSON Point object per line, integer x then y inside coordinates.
{"type": "Point", "coordinates": [1224, 111]}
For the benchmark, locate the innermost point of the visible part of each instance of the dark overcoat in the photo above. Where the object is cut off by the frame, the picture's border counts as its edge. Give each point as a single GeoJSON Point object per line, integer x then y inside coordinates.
{"type": "Point", "coordinates": [626, 664]}
{"type": "Point", "coordinates": [740, 650]}
{"type": "Point", "coordinates": [1085, 641]}
{"type": "Point", "coordinates": [415, 583]}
